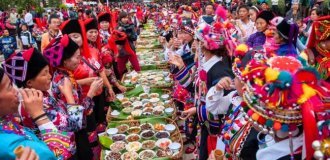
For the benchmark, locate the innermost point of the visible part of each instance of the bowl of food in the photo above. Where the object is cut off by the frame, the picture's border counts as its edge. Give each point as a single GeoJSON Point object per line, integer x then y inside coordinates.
{"type": "Point", "coordinates": [162, 134]}
{"type": "Point", "coordinates": [144, 96]}
{"type": "Point", "coordinates": [130, 156]}
{"type": "Point", "coordinates": [134, 130]}
{"type": "Point", "coordinates": [112, 155]}
{"type": "Point", "coordinates": [158, 112]}
{"type": "Point", "coordinates": [118, 146]}
{"type": "Point", "coordinates": [112, 131]}
{"type": "Point", "coordinates": [163, 143]}
{"type": "Point", "coordinates": [148, 144]}
{"type": "Point", "coordinates": [127, 110]}
{"type": "Point", "coordinates": [147, 134]}
{"type": "Point", "coordinates": [114, 113]}
{"type": "Point", "coordinates": [175, 147]}
{"type": "Point", "coordinates": [146, 126]}
{"type": "Point", "coordinates": [169, 111]}
{"type": "Point", "coordinates": [133, 99]}
{"type": "Point", "coordinates": [148, 109]}
{"type": "Point", "coordinates": [170, 128]}
{"type": "Point", "coordinates": [144, 101]}
{"type": "Point", "coordinates": [122, 128]}
{"type": "Point", "coordinates": [164, 152]}
{"type": "Point", "coordinates": [137, 103]}
{"type": "Point", "coordinates": [136, 113]}
{"type": "Point", "coordinates": [120, 97]}
{"type": "Point", "coordinates": [154, 95]}
{"type": "Point", "coordinates": [159, 108]}
{"type": "Point", "coordinates": [159, 127]}
{"type": "Point", "coordinates": [126, 104]}
{"type": "Point", "coordinates": [154, 100]}
{"type": "Point", "coordinates": [118, 137]}
{"type": "Point", "coordinates": [133, 146]}
{"type": "Point", "coordinates": [148, 104]}
{"type": "Point", "coordinates": [147, 154]}
{"type": "Point", "coordinates": [137, 107]}
{"type": "Point", "coordinates": [133, 138]}
{"type": "Point", "coordinates": [125, 99]}
{"type": "Point", "coordinates": [165, 96]}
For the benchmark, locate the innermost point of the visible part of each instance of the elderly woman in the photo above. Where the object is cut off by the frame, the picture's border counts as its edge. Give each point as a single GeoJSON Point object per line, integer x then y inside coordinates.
{"type": "Point", "coordinates": [14, 136]}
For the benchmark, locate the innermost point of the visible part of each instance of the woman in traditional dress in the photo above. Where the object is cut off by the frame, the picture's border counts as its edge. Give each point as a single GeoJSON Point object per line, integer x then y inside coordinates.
{"type": "Point", "coordinates": [54, 144]}
{"type": "Point", "coordinates": [63, 55]}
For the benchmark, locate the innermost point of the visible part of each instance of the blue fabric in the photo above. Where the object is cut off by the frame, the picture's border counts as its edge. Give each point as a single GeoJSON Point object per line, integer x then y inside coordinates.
{"type": "Point", "coordinates": [287, 50]}
{"type": "Point", "coordinates": [9, 141]}
{"type": "Point", "coordinates": [208, 19]}
{"type": "Point", "coordinates": [7, 46]}
{"type": "Point", "coordinates": [256, 39]}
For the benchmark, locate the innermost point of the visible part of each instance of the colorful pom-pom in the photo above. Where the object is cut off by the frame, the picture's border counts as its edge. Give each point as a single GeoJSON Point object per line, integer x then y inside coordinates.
{"type": "Point", "coordinates": [261, 120]}
{"type": "Point", "coordinates": [285, 128]}
{"type": "Point", "coordinates": [269, 123]}
{"type": "Point", "coordinates": [271, 74]}
{"type": "Point", "coordinates": [292, 127]}
{"type": "Point", "coordinates": [249, 113]}
{"type": "Point", "coordinates": [255, 116]}
{"type": "Point", "coordinates": [277, 126]}
{"type": "Point", "coordinates": [241, 50]}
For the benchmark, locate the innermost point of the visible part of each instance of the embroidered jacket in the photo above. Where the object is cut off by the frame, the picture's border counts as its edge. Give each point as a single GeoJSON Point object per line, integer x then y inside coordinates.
{"type": "Point", "coordinates": [211, 72]}
{"type": "Point", "coordinates": [53, 145]}
{"type": "Point", "coordinates": [74, 111]}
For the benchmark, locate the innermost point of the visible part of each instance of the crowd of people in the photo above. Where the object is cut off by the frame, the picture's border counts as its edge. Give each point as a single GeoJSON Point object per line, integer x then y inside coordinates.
{"type": "Point", "coordinates": [250, 82]}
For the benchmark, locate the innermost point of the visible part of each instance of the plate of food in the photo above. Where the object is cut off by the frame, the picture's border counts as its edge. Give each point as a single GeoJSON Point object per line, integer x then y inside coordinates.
{"type": "Point", "coordinates": [163, 143]}
{"type": "Point", "coordinates": [164, 152]}
{"type": "Point", "coordinates": [133, 146]}
{"type": "Point", "coordinates": [146, 126]}
{"type": "Point", "coordinates": [130, 156]}
{"type": "Point", "coordinates": [118, 146]}
{"type": "Point", "coordinates": [162, 134]}
{"type": "Point", "coordinates": [159, 127]}
{"type": "Point", "coordinates": [127, 110]}
{"type": "Point", "coordinates": [118, 137]}
{"type": "Point", "coordinates": [147, 154]}
{"type": "Point", "coordinates": [134, 130]}
{"type": "Point", "coordinates": [132, 138]}
{"type": "Point", "coordinates": [113, 156]}
{"type": "Point", "coordinates": [147, 134]}
{"type": "Point", "coordinates": [148, 144]}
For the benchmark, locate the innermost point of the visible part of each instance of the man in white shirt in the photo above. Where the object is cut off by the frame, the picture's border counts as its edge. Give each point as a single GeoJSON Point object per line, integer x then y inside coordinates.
{"type": "Point", "coordinates": [244, 25]}
{"type": "Point", "coordinates": [28, 19]}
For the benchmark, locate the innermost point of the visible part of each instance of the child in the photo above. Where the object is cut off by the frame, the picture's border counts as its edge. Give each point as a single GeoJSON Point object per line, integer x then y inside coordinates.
{"type": "Point", "coordinates": [302, 26]}
{"type": "Point", "coordinates": [25, 37]}
{"type": "Point", "coordinates": [7, 44]}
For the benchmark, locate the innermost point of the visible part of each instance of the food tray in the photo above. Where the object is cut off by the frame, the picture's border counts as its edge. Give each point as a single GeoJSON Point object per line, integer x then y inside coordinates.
{"type": "Point", "coordinates": [163, 85]}
{"type": "Point", "coordinates": [175, 136]}
{"type": "Point", "coordinates": [133, 94]}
